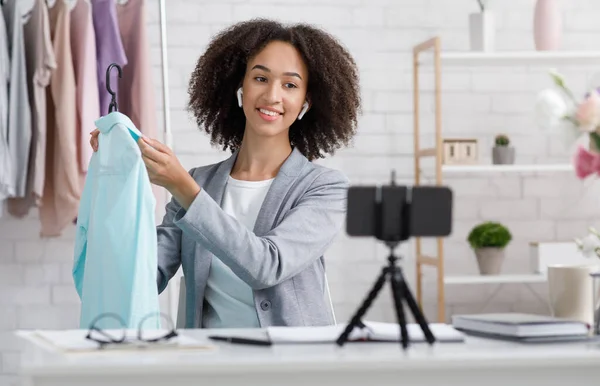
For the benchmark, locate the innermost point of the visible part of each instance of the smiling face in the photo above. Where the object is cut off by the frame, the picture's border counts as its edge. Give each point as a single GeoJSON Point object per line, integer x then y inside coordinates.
{"type": "Point", "coordinates": [274, 90]}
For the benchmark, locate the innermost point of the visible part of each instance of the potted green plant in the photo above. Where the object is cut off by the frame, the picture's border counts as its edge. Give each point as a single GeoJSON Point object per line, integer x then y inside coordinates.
{"type": "Point", "coordinates": [488, 241]}
{"type": "Point", "coordinates": [502, 152]}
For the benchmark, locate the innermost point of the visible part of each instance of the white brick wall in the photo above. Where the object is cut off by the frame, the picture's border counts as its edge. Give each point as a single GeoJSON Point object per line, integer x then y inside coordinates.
{"type": "Point", "coordinates": [36, 288]}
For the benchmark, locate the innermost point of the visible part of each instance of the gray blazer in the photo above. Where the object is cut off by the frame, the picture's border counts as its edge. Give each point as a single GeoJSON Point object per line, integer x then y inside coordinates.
{"type": "Point", "coordinates": [281, 260]}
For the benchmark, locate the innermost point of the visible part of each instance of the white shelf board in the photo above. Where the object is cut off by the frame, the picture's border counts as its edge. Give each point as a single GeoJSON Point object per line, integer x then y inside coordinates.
{"type": "Point", "coordinates": [495, 279]}
{"type": "Point", "coordinates": [497, 58]}
{"type": "Point", "coordinates": [514, 168]}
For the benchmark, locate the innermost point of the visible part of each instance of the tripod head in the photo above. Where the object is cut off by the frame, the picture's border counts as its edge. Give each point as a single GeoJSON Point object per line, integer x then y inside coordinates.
{"type": "Point", "coordinates": [392, 257]}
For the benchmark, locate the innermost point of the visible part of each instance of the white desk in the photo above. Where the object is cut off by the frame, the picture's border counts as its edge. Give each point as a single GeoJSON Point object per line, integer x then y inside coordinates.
{"type": "Point", "coordinates": [476, 362]}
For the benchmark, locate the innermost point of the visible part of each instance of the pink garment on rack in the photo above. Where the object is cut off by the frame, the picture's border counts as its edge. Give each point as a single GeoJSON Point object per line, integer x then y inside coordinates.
{"type": "Point", "coordinates": [136, 88]}
{"type": "Point", "coordinates": [62, 190]}
{"type": "Point", "coordinates": [83, 45]}
{"type": "Point", "coordinates": [40, 60]}
{"type": "Point", "coordinates": [136, 96]}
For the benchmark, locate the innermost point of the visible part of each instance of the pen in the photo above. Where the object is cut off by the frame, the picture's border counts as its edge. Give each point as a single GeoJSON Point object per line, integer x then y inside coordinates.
{"type": "Point", "coordinates": [232, 339]}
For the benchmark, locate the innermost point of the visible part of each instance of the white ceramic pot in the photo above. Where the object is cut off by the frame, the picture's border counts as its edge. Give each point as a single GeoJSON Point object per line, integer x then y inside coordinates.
{"type": "Point", "coordinates": [482, 31]}
{"type": "Point", "coordinates": [570, 291]}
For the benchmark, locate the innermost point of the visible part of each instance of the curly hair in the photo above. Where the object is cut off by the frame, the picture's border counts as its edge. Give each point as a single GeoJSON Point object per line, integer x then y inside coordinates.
{"type": "Point", "coordinates": [332, 86]}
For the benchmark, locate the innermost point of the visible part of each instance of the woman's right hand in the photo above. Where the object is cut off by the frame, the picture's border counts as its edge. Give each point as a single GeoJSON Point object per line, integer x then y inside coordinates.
{"type": "Point", "coordinates": [94, 139]}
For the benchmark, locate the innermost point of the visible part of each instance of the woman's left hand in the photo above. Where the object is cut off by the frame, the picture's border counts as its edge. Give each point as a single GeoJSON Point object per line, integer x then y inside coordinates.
{"type": "Point", "coordinates": [164, 169]}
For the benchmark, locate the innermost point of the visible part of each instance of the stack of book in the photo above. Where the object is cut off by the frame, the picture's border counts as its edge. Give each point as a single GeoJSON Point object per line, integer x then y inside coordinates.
{"type": "Point", "coordinates": [522, 327]}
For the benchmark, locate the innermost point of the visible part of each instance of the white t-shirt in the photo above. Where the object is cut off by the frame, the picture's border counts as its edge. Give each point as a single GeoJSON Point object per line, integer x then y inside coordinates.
{"type": "Point", "coordinates": [230, 301]}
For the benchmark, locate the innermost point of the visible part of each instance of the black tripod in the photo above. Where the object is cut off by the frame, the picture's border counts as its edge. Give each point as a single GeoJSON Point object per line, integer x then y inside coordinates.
{"type": "Point", "coordinates": [393, 214]}
{"type": "Point", "coordinates": [401, 293]}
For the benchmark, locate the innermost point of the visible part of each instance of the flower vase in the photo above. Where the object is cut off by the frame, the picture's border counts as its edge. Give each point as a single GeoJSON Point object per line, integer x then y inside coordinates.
{"type": "Point", "coordinates": [547, 25]}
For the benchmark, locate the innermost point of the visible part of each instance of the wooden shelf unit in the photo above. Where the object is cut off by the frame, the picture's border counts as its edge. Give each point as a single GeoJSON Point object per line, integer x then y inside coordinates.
{"type": "Point", "coordinates": [428, 54]}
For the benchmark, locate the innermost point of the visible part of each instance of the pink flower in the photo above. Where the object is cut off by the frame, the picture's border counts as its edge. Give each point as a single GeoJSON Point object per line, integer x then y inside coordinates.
{"type": "Point", "coordinates": [586, 163]}
{"type": "Point", "coordinates": [588, 112]}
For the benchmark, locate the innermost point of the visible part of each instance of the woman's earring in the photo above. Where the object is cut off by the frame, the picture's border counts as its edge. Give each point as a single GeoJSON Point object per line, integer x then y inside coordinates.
{"type": "Point", "coordinates": [304, 110]}
{"type": "Point", "coordinates": [239, 96]}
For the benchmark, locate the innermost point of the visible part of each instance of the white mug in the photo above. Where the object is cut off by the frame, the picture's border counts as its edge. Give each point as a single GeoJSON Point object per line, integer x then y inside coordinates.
{"type": "Point", "coordinates": [571, 292]}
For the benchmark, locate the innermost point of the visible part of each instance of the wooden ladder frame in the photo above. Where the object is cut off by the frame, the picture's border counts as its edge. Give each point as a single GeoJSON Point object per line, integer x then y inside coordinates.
{"type": "Point", "coordinates": [436, 151]}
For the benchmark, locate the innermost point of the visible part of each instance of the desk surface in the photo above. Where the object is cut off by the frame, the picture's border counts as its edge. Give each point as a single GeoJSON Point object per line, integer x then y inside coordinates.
{"type": "Point", "coordinates": [474, 357]}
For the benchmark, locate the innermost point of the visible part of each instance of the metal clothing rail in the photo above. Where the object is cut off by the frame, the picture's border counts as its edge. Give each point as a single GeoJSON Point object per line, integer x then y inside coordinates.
{"type": "Point", "coordinates": [172, 291]}
{"type": "Point", "coordinates": [165, 74]}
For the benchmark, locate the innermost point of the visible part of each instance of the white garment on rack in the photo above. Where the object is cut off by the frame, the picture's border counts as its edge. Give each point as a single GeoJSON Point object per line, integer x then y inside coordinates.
{"type": "Point", "coordinates": [6, 186]}
{"type": "Point", "coordinates": [39, 55]}
{"type": "Point", "coordinates": [19, 110]}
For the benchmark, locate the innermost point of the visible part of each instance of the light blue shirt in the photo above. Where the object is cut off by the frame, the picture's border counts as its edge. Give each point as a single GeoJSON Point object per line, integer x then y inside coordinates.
{"type": "Point", "coordinates": [116, 244]}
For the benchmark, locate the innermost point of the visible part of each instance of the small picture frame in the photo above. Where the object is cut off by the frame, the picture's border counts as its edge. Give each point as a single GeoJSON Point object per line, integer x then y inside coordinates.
{"type": "Point", "coordinates": [460, 151]}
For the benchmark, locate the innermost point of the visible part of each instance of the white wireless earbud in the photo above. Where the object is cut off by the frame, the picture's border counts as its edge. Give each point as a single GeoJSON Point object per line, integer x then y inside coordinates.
{"type": "Point", "coordinates": [304, 110]}
{"type": "Point", "coordinates": [239, 96]}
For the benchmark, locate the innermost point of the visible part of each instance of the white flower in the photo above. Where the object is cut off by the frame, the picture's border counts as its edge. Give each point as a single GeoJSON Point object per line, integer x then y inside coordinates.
{"type": "Point", "coordinates": [550, 108]}
{"type": "Point", "coordinates": [589, 245]}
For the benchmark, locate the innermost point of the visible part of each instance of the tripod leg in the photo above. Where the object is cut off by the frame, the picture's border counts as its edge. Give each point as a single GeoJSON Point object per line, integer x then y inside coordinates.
{"type": "Point", "coordinates": [356, 319]}
{"type": "Point", "coordinates": [414, 308]}
{"type": "Point", "coordinates": [398, 295]}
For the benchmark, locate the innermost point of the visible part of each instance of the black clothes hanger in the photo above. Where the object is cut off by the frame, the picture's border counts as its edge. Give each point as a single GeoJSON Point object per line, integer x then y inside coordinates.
{"type": "Point", "coordinates": [113, 102]}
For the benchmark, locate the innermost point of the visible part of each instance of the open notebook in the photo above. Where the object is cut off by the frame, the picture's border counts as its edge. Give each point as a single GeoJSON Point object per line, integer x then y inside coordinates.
{"type": "Point", "coordinates": [373, 331]}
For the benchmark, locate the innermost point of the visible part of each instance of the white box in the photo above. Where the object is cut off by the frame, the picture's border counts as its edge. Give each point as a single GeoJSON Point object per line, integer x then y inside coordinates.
{"type": "Point", "coordinates": [543, 254]}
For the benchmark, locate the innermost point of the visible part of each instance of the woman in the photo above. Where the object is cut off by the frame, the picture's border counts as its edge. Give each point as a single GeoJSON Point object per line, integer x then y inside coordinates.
{"type": "Point", "coordinates": [250, 232]}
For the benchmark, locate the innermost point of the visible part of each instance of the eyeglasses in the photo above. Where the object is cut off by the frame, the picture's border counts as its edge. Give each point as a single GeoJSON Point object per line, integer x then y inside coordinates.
{"type": "Point", "coordinates": [118, 336]}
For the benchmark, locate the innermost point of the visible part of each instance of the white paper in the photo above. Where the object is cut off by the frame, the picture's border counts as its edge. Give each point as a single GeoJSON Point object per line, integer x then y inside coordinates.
{"type": "Point", "coordinates": [75, 341]}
